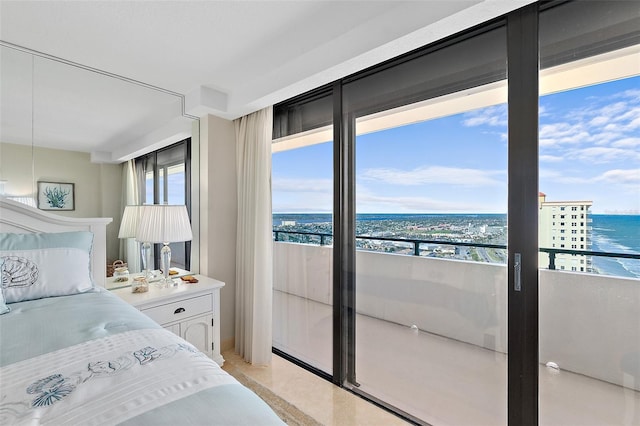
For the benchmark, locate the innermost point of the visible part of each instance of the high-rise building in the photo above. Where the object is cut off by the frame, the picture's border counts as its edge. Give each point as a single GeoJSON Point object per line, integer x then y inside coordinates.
{"type": "Point", "coordinates": [565, 225]}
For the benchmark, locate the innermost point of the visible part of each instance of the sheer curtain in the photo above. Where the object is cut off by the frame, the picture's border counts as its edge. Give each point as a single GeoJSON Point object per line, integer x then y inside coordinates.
{"type": "Point", "coordinates": [254, 263]}
{"type": "Point", "coordinates": [129, 248]}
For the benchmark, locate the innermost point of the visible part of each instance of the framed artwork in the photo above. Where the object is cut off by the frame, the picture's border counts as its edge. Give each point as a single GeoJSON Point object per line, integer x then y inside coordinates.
{"type": "Point", "coordinates": [56, 196]}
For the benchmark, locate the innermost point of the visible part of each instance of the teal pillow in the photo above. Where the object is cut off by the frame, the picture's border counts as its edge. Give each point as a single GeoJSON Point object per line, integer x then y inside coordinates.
{"type": "Point", "coordinates": [45, 265]}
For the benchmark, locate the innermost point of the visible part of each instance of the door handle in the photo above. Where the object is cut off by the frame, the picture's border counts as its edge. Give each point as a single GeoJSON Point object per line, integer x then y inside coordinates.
{"type": "Point", "coordinates": [179, 310]}
{"type": "Point", "coordinates": [517, 272]}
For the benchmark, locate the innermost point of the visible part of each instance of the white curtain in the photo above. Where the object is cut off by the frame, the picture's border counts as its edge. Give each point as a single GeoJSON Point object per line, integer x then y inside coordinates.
{"type": "Point", "coordinates": [129, 248]}
{"type": "Point", "coordinates": [254, 250]}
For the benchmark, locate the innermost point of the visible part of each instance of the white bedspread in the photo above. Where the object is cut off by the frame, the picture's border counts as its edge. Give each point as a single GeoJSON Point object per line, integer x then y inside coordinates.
{"type": "Point", "coordinates": [105, 381]}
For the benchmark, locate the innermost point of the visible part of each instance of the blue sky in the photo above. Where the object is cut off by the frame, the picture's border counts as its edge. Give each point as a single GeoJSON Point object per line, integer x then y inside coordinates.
{"type": "Point", "coordinates": [589, 150]}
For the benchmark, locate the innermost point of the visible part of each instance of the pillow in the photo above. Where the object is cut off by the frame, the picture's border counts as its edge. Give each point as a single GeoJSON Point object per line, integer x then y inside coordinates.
{"type": "Point", "coordinates": [44, 265]}
{"type": "Point", "coordinates": [3, 306]}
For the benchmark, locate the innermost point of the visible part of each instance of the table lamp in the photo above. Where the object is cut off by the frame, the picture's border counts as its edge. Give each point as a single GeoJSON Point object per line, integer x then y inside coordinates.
{"type": "Point", "coordinates": [128, 228]}
{"type": "Point", "coordinates": [164, 224]}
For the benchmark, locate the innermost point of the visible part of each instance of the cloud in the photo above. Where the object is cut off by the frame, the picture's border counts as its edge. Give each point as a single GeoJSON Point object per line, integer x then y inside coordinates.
{"type": "Point", "coordinates": [558, 177]}
{"type": "Point", "coordinates": [491, 116]}
{"type": "Point", "coordinates": [381, 204]}
{"type": "Point", "coordinates": [600, 154]}
{"type": "Point", "coordinates": [627, 143]}
{"type": "Point", "coordinates": [620, 176]}
{"type": "Point", "coordinates": [551, 158]}
{"type": "Point", "coordinates": [302, 185]}
{"type": "Point", "coordinates": [435, 174]}
{"type": "Point", "coordinates": [562, 133]}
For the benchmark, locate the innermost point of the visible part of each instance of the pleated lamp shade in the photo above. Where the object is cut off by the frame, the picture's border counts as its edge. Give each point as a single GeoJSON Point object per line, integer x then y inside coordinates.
{"type": "Point", "coordinates": [164, 224]}
{"type": "Point", "coordinates": [130, 221]}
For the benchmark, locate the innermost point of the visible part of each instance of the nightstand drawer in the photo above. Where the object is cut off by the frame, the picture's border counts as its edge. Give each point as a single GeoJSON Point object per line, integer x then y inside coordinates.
{"type": "Point", "coordinates": [176, 311]}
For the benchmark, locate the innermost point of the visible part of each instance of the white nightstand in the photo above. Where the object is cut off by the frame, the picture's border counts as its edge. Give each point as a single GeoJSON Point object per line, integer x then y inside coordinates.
{"type": "Point", "coordinates": [192, 311]}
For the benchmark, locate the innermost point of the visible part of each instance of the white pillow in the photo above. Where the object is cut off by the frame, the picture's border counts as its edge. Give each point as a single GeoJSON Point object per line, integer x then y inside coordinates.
{"type": "Point", "coordinates": [44, 265]}
{"type": "Point", "coordinates": [3, 306]}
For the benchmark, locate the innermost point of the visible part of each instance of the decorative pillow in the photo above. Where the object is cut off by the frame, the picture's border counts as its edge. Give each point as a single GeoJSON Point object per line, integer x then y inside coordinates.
{"type": "Point", "coordinates": [3, 306]}
{"type": "Point", "coordinates": [44, 265]}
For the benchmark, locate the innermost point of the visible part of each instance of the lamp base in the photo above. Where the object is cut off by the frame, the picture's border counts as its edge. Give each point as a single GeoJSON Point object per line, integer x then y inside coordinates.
{"type": "Point", "coordinates": [145, 252]}
{"type": "Point", "coordinates": [165, 263]}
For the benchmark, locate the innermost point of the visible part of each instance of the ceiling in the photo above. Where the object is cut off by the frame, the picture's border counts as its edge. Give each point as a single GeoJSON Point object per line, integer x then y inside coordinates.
{"type": "Point", "coordinates": [119, 78]}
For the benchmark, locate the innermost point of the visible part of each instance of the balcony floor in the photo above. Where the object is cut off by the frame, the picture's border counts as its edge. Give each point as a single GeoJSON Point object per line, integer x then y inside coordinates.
{"type": "Point", "coordinates": [447, 382]}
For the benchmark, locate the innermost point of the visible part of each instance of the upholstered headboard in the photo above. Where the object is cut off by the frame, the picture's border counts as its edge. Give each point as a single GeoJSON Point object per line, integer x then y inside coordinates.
{"type": "Point", "coordinates": [20, 218]}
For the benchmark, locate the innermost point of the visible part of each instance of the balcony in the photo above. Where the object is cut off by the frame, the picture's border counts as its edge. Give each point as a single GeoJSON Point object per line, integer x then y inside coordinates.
{"type": "Point", "coordinates": [432, 337]}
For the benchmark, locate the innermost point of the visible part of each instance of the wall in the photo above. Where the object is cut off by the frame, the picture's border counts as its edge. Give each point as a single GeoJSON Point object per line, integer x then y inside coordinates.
{"type": "Point", "coordinates": [97, 186]}
{"type": "Point", "coordinates": [218, 215]}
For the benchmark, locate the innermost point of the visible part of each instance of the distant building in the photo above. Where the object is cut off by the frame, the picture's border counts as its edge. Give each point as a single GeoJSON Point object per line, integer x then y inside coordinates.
{"type": "Point", "coordinates": [565, 225]}
{"type": "Point", "coordinates": [288, 223]}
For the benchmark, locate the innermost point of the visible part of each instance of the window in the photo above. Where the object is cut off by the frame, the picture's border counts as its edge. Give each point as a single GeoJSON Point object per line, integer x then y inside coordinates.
{"type": "Point", "coordinates": [397, 84]}
{"type": "Point", "coordinates": [164, 178]}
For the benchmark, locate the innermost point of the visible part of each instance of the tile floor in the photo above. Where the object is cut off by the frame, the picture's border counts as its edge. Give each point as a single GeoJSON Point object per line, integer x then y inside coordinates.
{"type": "Point", "coordinates": [316, 397]}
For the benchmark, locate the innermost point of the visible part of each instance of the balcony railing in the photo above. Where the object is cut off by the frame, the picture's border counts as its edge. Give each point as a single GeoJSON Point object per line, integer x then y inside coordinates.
{"type": "Point", "coordinates": [552, 252]}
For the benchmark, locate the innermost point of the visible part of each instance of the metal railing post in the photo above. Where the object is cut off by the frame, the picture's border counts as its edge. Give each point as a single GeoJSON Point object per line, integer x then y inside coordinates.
{"type": "Point", "coordinates": [552, 260]}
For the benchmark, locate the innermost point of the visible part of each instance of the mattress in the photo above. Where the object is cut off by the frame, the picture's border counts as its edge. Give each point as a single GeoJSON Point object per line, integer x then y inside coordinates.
{"type": "Point", "coordinates": [92, 359]}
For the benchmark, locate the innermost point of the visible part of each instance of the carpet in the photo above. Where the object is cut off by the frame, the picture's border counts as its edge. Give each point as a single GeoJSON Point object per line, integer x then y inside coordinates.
{"type": "Point", "coordinates": [288, 412]}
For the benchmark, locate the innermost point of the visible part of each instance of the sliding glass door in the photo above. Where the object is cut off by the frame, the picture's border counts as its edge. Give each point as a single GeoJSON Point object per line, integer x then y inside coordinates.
{"type": "Point", "coordinates": [302, 182]}
{"type": "Point", "coordinates": [589, 205]}
{"type": "Point", "coordinates": [476, 278]}
{"type": "Point", "coordinates": [431, 234]}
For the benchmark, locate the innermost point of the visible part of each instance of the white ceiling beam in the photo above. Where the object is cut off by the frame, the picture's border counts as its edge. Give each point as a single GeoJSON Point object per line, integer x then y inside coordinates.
{"type": "Point", "coordinates": [205, 100]}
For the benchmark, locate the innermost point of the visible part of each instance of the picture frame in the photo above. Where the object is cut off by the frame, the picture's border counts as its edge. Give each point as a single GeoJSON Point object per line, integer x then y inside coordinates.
{"type": "Point", "coordinates": [56, 196]}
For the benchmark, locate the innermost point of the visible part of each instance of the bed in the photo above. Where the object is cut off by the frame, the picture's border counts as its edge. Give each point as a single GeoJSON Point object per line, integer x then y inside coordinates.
{"type": "Point", "coordinates": [73, 353]}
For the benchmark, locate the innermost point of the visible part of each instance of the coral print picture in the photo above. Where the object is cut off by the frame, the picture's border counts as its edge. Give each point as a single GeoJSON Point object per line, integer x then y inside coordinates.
{"type": "Point", "coordinates": [56, 196]}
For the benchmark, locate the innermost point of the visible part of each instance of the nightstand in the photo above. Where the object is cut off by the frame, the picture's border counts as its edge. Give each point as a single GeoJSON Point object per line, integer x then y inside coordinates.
{"type": "Point", "coordinates": [192, 311]}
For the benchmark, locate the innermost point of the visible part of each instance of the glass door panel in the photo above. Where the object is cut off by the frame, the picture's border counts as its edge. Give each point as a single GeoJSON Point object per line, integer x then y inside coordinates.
{"type": "Point", "coordinates": [431, 276]}
{"type": "Point", "coordinates": [589, 293]}
{"type": "Point", "coordinates": [303, 255]}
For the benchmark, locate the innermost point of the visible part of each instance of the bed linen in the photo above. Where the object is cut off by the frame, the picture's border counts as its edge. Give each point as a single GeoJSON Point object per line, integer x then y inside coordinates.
{"type": "Point", "coordinates": [90, 359]}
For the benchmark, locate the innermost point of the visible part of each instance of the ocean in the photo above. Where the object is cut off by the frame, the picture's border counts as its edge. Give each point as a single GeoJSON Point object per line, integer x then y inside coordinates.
{"type": "Point", "coordinates": [610, 233]}
{"type": "Point", "coordinates": [616, 234]}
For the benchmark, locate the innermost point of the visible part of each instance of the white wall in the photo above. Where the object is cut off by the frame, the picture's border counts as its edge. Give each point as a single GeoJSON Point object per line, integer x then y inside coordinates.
{"type": "Point", "coordinates": [589, 324]}
{"type": "Point", "coordinates": [97, 186]}
{"type": "Point", "coordinates": [218, 215]}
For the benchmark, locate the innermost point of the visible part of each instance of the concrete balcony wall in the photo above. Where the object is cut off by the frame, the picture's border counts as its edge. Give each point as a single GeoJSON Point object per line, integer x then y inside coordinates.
{"type": "Point", "coordinates": [465, 301]}
{"type": "Point", "coordinates": [589, 324]}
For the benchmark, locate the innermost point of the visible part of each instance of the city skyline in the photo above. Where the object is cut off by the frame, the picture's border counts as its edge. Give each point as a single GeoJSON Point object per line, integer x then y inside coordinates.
{"type": "Point", "coordinates": [589, 140]}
